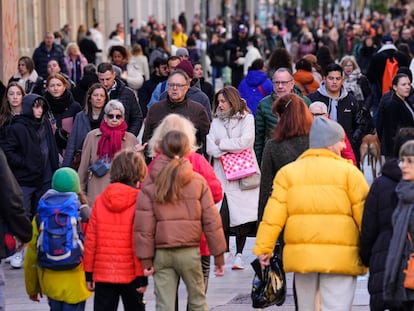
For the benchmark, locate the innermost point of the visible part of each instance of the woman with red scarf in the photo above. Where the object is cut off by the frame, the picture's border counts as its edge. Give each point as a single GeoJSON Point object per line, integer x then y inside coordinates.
{"type": "Point", "coordinates": [102, 144]}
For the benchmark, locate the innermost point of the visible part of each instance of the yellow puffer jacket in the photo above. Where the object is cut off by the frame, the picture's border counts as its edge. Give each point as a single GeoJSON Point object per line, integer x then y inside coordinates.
{"type": "Point", "coordinates": [319, 199]}
{"type": "Point", "coordinates": [68, 286]}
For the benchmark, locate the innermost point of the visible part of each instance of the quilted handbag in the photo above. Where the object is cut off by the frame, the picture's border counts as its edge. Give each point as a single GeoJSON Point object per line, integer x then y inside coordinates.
{"type": "Point", "coordinates": [238, 165]}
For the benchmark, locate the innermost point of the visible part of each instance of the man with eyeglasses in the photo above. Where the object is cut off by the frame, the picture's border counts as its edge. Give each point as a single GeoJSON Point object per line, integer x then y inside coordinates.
{"type": "Point", "coordinates": [177, 102]}
{"type": "Point", "coordinates": [265, 121]}
{"type": "Point", "coordinates": [341, 105]}
{"type": "Point", "coordinates": [118, 90]}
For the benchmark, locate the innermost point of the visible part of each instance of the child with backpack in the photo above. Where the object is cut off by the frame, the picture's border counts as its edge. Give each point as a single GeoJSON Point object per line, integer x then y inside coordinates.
{"type": "Point", "coordinates": [111, 267]}
{"type": "Point", "coordinates": [53, 264]}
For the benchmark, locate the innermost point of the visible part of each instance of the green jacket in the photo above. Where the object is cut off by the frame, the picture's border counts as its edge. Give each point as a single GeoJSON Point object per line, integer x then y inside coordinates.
{"type": "Point", "coordinates": [265, 121]}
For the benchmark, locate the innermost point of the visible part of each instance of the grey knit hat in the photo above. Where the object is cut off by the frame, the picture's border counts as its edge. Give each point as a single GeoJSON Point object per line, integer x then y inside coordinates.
{"type": "Point", "coordinates": [325, 133]}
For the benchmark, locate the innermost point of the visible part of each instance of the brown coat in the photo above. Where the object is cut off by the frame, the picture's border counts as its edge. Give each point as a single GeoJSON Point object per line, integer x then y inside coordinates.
{"type": "Point", "coordinates": [179, 224]}
{"type": "Point", "coordinates": [90, 184]}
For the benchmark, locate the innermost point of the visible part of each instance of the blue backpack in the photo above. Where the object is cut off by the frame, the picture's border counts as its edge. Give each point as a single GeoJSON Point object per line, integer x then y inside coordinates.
{"type": "Point", "coordinates": [60, 240]}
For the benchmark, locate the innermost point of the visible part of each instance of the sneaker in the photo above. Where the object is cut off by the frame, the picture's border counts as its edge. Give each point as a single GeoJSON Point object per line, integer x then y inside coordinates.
{"type": "Point", "coordinates": [238, 263]}
{"type": "Point", "coordinates": [8, 259]}
{"type": "Point", "coordinates": [17, 260]}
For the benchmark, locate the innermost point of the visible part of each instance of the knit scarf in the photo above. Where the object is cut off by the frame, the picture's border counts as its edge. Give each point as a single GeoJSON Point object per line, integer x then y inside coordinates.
{"type": "Point", "coordinates": [111, 139]}
{"type": "Point", "coordinates": [59, 104]}
{"type": "Point", "coordinates": [352, 86]}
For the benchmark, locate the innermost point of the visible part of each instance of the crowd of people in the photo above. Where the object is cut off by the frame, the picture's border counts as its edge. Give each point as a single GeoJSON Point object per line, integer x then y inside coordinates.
{"type": "Point", "coordinates": [138, 138]}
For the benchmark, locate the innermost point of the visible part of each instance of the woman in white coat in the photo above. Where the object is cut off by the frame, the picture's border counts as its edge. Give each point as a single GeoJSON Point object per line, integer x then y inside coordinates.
{"type": "Point", "coordinates": [232, 131]}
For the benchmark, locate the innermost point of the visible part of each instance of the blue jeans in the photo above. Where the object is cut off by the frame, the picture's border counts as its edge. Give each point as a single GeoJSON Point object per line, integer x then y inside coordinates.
{"type": "Point", "coordinates": [63, 306]}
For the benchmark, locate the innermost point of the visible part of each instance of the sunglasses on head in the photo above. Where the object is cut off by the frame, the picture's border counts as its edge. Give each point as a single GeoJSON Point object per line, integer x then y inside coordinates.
{"type": "Point", "coordinates": [114, 116]}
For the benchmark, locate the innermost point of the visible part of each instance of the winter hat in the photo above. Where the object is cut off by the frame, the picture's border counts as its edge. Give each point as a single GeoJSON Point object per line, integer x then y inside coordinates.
{"type": "Point", "coordinates": [242, 28]}
{"type": "Point", "coordinates": [185, 65]}
{"type": "Point", "coordinates": [387, 39]}
{"type": "Point", "coordinates": [325, 133]}
{"type": "Point", "coordinates": [66, 179]}
{"type": "Point", "coordinates": [182, 52]}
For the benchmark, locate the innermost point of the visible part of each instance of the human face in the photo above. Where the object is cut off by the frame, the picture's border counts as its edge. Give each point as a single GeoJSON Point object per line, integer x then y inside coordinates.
{"type": "Point", "coordinates": [282, 83]}
{"type": "Point", "coordinates": [37, 111]}
{"type": "Point", "coordinates": [56, 88]}
{"type": "Point", "coordinates": [333, 82]}
{"type": "Point", "coordinates": [172, 64]}
{"type": "Point", "coordinates": [117, 58]}
{"type": "Point", "coordinates": [107, 79]}
{"type": "Point", "coordinates": [403, 87]}
{"type": "Point", "coordinates": [53, 67]}
{"type": "Point", "coordinates": [21, 67]}
{"type": "Point", "coordinates": [114, 118]}
{"type": "Point", "coordinates": [338, 147]}
{"type": "Point", "coordinates": [348, 68]}
{"type": "Point", "coordinates": [177, 88]}
{"type": "Point", "coordinates": [98, 98]}
{"type": "Point", "coordinates": [15, 98]}
{"type": "Point", "coordinates": [406, 164]}
{"type": "Point", "coordinates": [223, 104]}
{"type": "Point", "coordinates": [49, 38]}
{"type": "Point", "coordinates": [198, 71]}
{"type": "Point", "coordinates": [163, 70]}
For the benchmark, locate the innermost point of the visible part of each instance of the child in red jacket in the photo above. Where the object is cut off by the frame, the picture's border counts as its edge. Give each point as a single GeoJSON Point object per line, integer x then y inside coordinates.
{"type": "Point", "coordinates": [111, 267]}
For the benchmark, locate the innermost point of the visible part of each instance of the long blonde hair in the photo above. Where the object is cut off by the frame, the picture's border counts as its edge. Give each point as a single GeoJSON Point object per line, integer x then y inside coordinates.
{"type": "Point", "coordinates": [169, 181]}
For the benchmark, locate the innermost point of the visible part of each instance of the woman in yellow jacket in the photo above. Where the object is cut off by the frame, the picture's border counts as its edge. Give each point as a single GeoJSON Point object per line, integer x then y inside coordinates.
{"type": "Point", "coordinates": [318, 200]}
{"type": "Point", "coordinates": [66, 289]}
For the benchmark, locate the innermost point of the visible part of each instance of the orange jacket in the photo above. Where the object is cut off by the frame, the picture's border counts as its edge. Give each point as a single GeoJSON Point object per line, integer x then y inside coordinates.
{"type": "Point", "coordinates": [305, 81]}
{"type": "Point", "coordinates": [109, 245]}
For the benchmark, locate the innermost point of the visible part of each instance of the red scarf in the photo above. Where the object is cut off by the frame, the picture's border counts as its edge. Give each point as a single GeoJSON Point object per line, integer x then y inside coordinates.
{"type": "Point", "coordinates": [111, 139]}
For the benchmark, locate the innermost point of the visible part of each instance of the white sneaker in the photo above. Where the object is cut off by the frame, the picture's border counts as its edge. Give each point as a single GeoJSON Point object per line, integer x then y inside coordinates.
{"type": "Point", "coordinates": [17, 260]}
{"type": "Point", "coordinates": [238, 263]}
{"type": "Point", "coordinates": [8, 259]}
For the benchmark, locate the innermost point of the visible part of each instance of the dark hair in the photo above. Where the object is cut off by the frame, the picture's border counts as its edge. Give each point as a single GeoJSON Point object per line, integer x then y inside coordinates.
{"type": "Point", "coordinates": [93, 87]}
{"type": "Point", "coordinates": [121, 49]}
{"type": "Point", "coordinates": [104, 67]}
{"type": "Point", "coordinates": [28, 62]}
{"type": "Point", "coordinates": [407, 71]}
{"type": "Point", "coordinates": [397, 78]}
{"type": "Point", "coordinates": [232, 96]}
{"type": "Point", "coordinates": [128, 167]}
{"type": "Point", "coordinates": [159, 61]}
{"type": "Point", "coordinates": [257, 64]}
{"type": "Point", "coordinates": [5, 109]}
{"type": "Point", "coordinates": [304, 64]}
{"type": "Point", "coordinates": [404, 134]}
{"type": "Point", "coordinates": [324, 57]}
{"type": "Point", "coordinates": [294, 117]}
{"type": "Point", "coordinates": [280, 57]}
{"type": "Point", "coordinates": [169, 181]}
{"type": "Point", "coordinates": [89, 68]}
{"type": "Point", "coordinates": [333, 67]}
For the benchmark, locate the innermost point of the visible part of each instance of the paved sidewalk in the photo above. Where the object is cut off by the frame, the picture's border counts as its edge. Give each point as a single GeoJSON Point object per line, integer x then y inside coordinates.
{"type": "Point", "coordinates": [228, 293]}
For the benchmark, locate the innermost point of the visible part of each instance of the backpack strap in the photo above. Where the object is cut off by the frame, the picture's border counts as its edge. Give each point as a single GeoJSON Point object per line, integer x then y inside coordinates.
{"type": "Point", "coordinates": [261, 90]}
{"type": "Point", "coordinates": [305, 88]}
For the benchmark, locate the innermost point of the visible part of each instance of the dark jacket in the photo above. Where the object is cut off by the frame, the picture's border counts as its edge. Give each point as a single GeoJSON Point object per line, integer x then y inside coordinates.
{"type": "Point", "coordinates": [42, 56]}
{"type": "Point", "coordinates": [145, 91]}
{"type": "Point", "coordinates": [12, 213]}
{"type": "Point", "coordinates": [393, 114]}
{"type": "Point", "coordinates": [80, 90]}
{"type": "Point", "coordinates": [89, 49]}
{"type": "Point", "coordinates": [376, 230]}
{"type": "Point", "coordinates": [217, 53]}
{"type": "Point", "coordinates": [133, 114]}
{"type": "Point", "coordinates": [32, 85]}
{"type": "Point", "coordinates": [30, 147]}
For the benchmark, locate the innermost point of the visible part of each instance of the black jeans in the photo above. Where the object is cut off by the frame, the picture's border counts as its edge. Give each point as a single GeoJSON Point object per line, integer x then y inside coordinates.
{"type": "Point", "coordinates": [107, 297]}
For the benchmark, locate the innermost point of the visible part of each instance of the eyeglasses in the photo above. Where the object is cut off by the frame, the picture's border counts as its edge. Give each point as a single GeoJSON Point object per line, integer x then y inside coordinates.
{"type": "Point", "coordinates": [318, 114]}
{"type": "Point", "coordinates": [175, 85]}
{"type": "Point", "coordinates": [114, 116]}
{"type": "Point", "coordinates": [283, 83]}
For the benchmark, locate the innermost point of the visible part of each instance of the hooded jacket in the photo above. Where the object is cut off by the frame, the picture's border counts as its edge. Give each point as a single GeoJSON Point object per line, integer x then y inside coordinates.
{"type": "Point", "coordinates": [30, 146]}
{"type": "Point", "coordinates": [109, 246]}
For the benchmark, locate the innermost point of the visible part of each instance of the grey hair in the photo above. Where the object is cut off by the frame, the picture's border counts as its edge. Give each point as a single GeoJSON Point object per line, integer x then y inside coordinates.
{"type": "Point", "coordinates": [114, 104]}
{"type": "Point", "coordinates": [180, 72]}
{"type": "Point", "coordinates": [318, 105]}
{"type": "Point", "coordinates": [407, 149]}
{"type": "Point", "coordinates": [283, 69]}
{"type": "Point", "coordinates": [172, 122]}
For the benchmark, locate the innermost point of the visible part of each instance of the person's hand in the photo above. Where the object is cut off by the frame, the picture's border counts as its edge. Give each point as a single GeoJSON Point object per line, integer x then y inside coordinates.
{"type": "Point", "coordinates": [36, 297]}
{"type": "Point", "coordinates": [141, 289]}
{"type": "Point", "coordinates": [149, 271]}
{"type": "Point", "coordinates": [219, 270]}
{"type": "Point", "coordinates": [90, 286]}
{"type": "Point", "coordinates": [139, 147]}
{"type": "Point", "coordinates": [264, 260]}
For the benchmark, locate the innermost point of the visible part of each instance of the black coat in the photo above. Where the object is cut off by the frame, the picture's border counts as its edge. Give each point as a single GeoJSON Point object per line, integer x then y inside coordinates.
{"type": "Point", "coordinates": [376, 229]}
{"type": "Point", "coordinates": [12, 213]}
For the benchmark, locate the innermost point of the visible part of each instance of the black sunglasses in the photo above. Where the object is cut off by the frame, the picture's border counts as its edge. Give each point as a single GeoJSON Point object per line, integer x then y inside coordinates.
{"type": "Point", "coordinates": [113, 116]}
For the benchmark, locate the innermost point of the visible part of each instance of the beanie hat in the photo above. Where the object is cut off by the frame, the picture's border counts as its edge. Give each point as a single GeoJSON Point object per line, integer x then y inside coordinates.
{"type": "Point", "coordinates": [185, 65]}
{"type": "Point", "coordinates": [66, 179]}
{"type": "Point", "coordinates": [324, 133]}
{"type": "Point", "coordinates": [182, 52]}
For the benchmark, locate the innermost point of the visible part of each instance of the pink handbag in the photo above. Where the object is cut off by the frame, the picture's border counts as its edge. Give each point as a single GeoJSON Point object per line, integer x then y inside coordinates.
{"type": "Point", "coordinates": [238, 165]}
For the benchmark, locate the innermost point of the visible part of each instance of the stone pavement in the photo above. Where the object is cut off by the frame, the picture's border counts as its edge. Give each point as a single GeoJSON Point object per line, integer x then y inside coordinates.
{"type": "Point", "coordinates": [228, 293]}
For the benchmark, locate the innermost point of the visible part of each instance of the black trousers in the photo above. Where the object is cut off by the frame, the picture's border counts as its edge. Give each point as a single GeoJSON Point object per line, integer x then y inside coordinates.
{"type": "Point", "coordinates": [107, 297]}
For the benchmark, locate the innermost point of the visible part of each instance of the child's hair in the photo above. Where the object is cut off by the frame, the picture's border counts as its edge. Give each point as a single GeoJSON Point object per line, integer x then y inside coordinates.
{"type": "Point", "coordinates": [407, 149]}
{"type": "Point", "coordinates": [128, 167]}
{"type": "Point", "coordinates": [174, 145]}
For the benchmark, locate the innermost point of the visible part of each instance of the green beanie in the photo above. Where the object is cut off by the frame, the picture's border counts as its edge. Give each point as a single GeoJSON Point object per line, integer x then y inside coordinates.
{"type": "Point", "coordinates": [66, 179]}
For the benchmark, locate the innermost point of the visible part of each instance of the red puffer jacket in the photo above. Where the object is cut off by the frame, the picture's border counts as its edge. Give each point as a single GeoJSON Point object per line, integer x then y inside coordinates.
{"type": "Point", "coordinates": [201, 166]}
{"type": "Point", "coordinates": [109, 246]}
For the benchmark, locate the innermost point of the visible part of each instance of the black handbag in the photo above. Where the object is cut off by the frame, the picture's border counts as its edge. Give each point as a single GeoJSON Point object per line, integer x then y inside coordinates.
{"type": "Point", "coordinates": [100, 168]}
{"type": "Point", "coordinates": [269, 285]}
